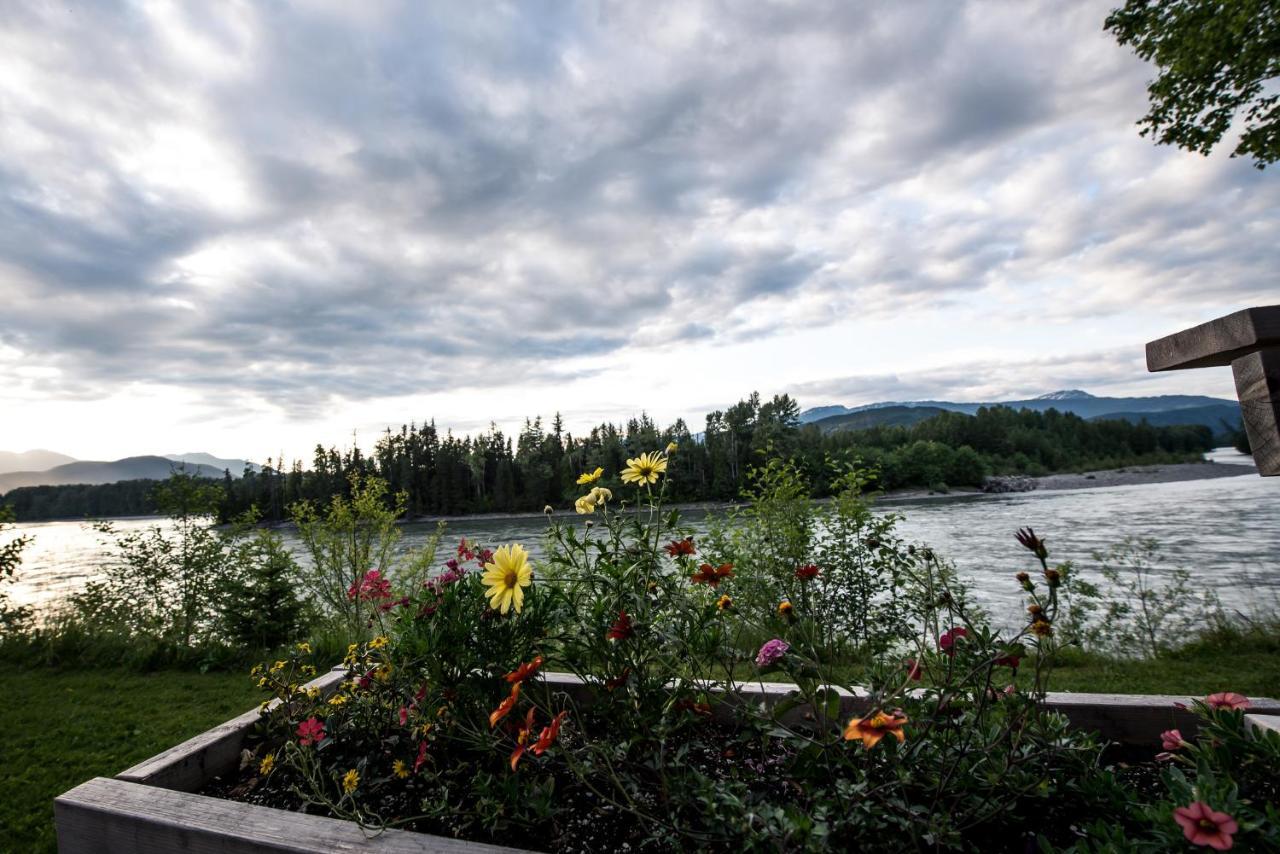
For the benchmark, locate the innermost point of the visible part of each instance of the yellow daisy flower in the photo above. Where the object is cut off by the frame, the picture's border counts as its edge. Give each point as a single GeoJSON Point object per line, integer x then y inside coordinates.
{"type": "Point", "coordinates": [268, 762]}
{"type": "Point", "coordinates": [591, 477]}
{"type": "Point", "coordinates": [644, 469]}
{"type": "Point", "coordinates": [584, 505]}
{"type": "Point", "coordinates": [599, 495]}
{"type": "Point", "coordinates": [505, 577]}
{"type": "Point", "coordinates": [379, 642]}
{"type": "Point", "coordinates": [672, 447]}
{"type": "Point", "coordinates": [400, 769]}
{"type": "Point", "coordinates": [350, 780]}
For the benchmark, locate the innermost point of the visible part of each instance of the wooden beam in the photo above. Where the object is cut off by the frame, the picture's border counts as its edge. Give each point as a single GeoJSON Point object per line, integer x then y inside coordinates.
{"type": "Point", "coordinates": [1248, 341]}
{"type": "Point", "coordinates": [106, 816]}
{"type": "Point", "coordinates": [1217, 343]}
{"type": "Point", "coordinates": [1258, 387]}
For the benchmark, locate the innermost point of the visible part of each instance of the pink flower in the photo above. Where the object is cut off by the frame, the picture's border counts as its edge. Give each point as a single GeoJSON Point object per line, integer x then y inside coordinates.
{"type": "Point", "coordinates": [1205, 826]}
{"type": "Point", "coordinates": [373, 587]}
{"type": "Point", "coordinates": [404, 715]}
{"type": "Point", "coordinates": [1171, 739]}
{"type": "Point", "coordinates": [947, 642]}
{"type": "Point", "coordinates": [772, 652]}
{"type": "Point", "coordinates": [422, 756]}
{"type": "Point", "coordinates": [311, 731]}
{"type": "Point", "coordinates": [1227, 700]}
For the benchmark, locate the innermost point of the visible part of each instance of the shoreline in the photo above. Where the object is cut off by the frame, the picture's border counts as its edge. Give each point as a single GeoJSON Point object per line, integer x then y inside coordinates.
{"type": "Point", "coordinates": [1101, 478]}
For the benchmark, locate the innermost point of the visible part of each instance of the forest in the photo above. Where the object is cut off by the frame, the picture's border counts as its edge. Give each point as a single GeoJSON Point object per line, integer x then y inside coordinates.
{"type": "Point", "coordinates": [444, 474]}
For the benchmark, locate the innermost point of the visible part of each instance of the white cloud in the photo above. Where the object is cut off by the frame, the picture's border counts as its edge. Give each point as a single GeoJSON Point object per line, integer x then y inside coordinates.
{"type": "Point", "coordinates": [254, 227]}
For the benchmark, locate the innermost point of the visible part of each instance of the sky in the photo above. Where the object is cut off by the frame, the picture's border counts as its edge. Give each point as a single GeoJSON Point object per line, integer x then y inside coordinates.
{"type": "Point", "coordinates": [247, 228]}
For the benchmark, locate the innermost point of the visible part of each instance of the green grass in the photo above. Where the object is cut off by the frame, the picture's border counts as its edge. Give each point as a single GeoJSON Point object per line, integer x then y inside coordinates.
{"type": "Point", "coordinates": [64, 727]}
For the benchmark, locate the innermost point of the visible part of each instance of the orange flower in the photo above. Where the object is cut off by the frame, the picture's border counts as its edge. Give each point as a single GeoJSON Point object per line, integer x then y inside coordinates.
{"type": "Point", "coordinates": [525, 670]}
{"type": "Point", "coordinates": [786, 610]}
{"type": "Point", "coordinates": [521, 738]}
{"type": "Point", "coordinates": [549, 734]}
{"type": "Point", "coordinates": [505, 707]}
{"type": "Point", "coordinates": [713, 575]}
{"type": "Point", "coordinates": [622, 628]}
{"type": "Point", "coordinates": [876, 727]}
{"type": "Point", "coordinates": [675, 548]}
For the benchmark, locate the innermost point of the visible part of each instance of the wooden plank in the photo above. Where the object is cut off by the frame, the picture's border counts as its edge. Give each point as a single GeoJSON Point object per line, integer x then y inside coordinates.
{"type": "Point", "coordinates": [1217, 343]}
{"type": "Point", "coordinates": [1257, 378]}
{"type": "Point", "coordinates": [105, 816]}
{"type": "Point", "coordinates": [188, 766]}
{"type": "Point", "coordinates": [1259, 724]}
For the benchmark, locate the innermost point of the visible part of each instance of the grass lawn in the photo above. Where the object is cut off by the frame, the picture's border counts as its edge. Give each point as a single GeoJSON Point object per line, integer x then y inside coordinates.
{"type": "Point", "coordinates": [64, 727]}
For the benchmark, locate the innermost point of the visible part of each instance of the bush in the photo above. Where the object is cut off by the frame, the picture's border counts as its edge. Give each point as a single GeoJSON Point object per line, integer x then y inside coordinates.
{"type": "Point", "coordinates": [444, 724]}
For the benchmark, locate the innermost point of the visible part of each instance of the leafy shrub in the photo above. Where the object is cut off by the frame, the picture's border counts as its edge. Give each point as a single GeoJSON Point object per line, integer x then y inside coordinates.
{"type": "Point", "coordinates": [444, 723]}
{"type": "Point", "coordinates": [13, 620]}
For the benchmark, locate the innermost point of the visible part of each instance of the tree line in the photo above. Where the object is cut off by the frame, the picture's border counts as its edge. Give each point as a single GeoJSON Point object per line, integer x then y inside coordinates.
{"type": "Point", "coordinates": [492, 472]}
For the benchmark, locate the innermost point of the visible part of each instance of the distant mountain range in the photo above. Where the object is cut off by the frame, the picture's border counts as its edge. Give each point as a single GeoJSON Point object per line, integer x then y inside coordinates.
{"type": "Point", "coordinates": [1163, 410]}
{"type": "Point", "coordinates": [37, 460]}
{"type": "Point", "coordinates": [66, 470]}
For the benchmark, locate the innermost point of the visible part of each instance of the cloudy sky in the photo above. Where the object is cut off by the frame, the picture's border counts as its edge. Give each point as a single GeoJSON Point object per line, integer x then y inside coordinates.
{"type": "Point", "coordinates": [248, 227]}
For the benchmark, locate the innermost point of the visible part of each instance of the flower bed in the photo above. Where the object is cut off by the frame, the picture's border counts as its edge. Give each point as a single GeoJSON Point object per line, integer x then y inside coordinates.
{"type": "Point", "coordinates": [660, 731]}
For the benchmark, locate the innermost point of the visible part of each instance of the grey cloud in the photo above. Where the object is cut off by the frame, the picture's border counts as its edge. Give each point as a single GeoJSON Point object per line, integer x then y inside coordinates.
{"type": "Point", "coordinates": [442, 197]}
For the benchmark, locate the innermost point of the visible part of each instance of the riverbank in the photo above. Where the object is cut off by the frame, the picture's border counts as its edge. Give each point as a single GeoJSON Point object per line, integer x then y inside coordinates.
{"type": "Point", "coordinates": [1126, 476]}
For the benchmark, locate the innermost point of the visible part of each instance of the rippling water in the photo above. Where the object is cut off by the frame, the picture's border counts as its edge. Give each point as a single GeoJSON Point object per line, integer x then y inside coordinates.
{"type": "Point", "coordinates": [1225, 531]}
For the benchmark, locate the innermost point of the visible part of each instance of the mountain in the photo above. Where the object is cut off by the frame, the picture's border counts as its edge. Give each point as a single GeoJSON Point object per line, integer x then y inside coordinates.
{"type": "Point", "coordinates": [1195, 409]}
{"type": "Point", "coordinates": [1213, 416]}
{"type": "Point", "coordinates": [37, 460]}
{"type": "Point", "coordinates": [129, 468]}
{"type": "Point", "coordinates": [884, 416]}
{"type": "Point", "coordinates": [200, 458]}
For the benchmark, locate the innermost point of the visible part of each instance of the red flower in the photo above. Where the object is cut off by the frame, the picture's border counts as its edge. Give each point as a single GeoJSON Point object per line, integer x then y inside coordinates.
{"type": "Point", "coordinates": [621, 628]}
{"type": "Point", "coordinates": [1008, 661]}
{"type": "Point", "coordinates": [372, 587]}
{"type": "Point", "coordinates": [464, 551]}
{"type": "Point", "coordinates": [311, 731]}
{"type": "Point", "coordinates": [521, 738]}
{"type": "Point", "coordinates": [1227, 700]}
{"type": "Point", "coordinates": [505, 707]}
{"type": "Point", "coordinates": [808, 572]}
{"type": "Point", "coordinates": [947, 642]}
{"type": "Point", "coordinates": [1203, 825]}
{"type": "Point", "coordinates": [675, 548]}
{"type": "Point", "coordinates": [525, 670]}
{"type": "Point", "coordinates": [619, 680]}
{"type": "Point", "coordinates": [422, 756]}
{"type": "Point", "coordinates": [404, 715]}
{"type": "Point", "coordinates": [914, 672]}
{"type": "Point", "coordinates": [549, 734]}
{"type": "Point", "coordinates": [713, 575]}
{"type": "Point", "coordinates": [1031, 542]}
{"type": "Point", "coordinates": [684, 704]}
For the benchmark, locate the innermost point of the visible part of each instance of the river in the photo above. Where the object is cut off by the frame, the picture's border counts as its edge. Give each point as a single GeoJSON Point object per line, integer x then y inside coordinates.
{"type": "Point", "coordinates": [1225, 531]}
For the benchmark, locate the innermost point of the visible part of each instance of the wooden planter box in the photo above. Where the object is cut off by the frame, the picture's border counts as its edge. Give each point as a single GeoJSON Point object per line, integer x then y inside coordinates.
{"type": "Point", "coordinates": [152, 807]}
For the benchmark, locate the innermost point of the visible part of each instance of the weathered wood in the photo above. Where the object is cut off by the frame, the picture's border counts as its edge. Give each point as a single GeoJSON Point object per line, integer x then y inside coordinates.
{"type": "Point", "coordinates": [106, 816]}
{"type": "Point", "coordinates": [1259, 724]}
{"type": "Point", "coordinates": [1217, 343]}
{"type": "Point", "coordinates": [189, 765]}
{"type": "Point", "coordinates": [1258, 387]}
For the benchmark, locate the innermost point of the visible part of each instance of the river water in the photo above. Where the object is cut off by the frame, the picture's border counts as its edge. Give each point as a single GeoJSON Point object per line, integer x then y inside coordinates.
{"type": "Point", "coordinates": [1225, 531]}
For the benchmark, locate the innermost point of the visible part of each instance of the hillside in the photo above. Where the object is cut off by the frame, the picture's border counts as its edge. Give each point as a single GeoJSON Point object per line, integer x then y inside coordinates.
{"type": "Point", "coordinates": [885, 416]}
{"type": "Point", "coordinates": [86, 472]}
{"type": "Point", "coordinates": [36, 460]}
{"type": "Point", "coordinates": [1213, 416]}
{"type": "Point", "coordinates": [1196, 409]}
